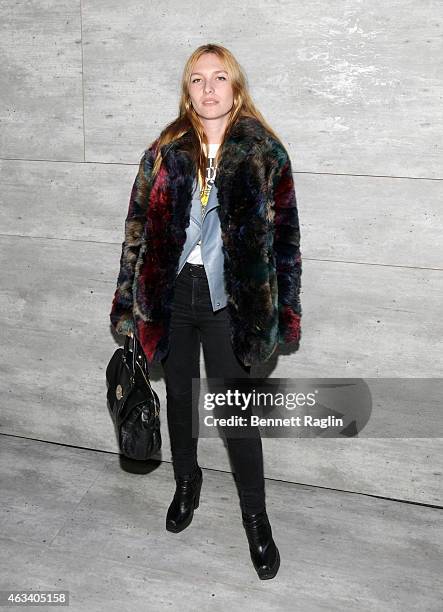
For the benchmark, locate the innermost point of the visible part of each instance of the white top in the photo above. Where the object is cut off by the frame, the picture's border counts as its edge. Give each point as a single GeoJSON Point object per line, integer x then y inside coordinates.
{"type": "Point", "coordinates": [195, 256]}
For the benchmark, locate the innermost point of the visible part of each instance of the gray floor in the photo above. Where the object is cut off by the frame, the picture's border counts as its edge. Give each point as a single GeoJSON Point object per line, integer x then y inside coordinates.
{"type": "Point", "coordinates": [78, 520]}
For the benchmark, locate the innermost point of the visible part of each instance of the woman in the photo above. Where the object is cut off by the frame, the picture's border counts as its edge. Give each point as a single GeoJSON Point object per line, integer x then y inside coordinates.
{"type": "Point", "coordinates": [211, 254]}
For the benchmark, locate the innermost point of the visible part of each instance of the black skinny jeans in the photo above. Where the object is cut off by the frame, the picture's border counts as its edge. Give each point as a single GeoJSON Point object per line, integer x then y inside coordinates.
{"type": "Point", "coordinates": [192, 320]}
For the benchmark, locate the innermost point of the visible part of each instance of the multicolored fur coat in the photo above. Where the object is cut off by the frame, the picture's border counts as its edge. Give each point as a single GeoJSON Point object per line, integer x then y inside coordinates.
{"type": "Point", "coordinates": [261, 244]}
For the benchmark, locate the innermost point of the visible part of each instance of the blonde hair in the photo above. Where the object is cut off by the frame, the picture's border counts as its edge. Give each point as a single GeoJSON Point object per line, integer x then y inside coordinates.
{"type": "Point", "coordinates": [189, 120]}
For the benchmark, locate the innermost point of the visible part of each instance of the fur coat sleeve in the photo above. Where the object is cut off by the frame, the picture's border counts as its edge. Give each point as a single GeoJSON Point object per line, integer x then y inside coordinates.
{"type": "Point", "coordinates": [121, 312]}
{"type": "Point", "coordinates": [287, 253]}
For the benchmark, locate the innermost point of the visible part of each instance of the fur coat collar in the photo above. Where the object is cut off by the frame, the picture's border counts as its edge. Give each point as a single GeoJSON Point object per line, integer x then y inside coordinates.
{"type": "Point", "coordinates": [261, 238]}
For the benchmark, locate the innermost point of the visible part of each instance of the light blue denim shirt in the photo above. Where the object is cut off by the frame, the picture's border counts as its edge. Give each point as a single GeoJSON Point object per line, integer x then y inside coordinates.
{"type": "Point", "coordinates": [211, 245]}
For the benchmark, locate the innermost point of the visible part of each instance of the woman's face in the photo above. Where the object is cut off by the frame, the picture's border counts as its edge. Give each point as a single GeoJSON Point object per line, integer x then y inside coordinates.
{"type": "Point", "coordinates": [210, 81]}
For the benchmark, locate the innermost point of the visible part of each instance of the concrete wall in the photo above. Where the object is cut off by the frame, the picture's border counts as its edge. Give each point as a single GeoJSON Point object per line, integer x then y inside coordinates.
{"type": "Point", "coordinates": [351, 88]}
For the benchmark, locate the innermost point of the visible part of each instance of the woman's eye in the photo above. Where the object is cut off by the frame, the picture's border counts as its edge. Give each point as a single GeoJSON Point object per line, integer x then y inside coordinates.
{"type": "Point", "coordinates": [197, 79]}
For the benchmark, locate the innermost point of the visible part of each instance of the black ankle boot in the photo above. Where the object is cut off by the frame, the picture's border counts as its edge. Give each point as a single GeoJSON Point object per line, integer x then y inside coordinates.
{"type": "Point", "coordinates": [264, 552]}
{"type": "Point", "coordinates": [186, 499]}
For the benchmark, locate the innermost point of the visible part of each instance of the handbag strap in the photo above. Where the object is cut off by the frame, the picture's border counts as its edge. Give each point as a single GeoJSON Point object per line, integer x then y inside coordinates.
{"type": "Point", "coordinates": [137, 350]}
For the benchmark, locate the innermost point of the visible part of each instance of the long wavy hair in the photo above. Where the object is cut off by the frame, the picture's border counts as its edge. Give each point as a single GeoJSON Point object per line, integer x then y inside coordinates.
{"type": "Point", "coordinates": [188, 120]}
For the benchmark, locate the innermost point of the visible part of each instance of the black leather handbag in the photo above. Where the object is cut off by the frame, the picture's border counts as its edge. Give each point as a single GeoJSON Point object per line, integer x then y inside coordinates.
{"type": "Point", "coordinates": [133, 403]}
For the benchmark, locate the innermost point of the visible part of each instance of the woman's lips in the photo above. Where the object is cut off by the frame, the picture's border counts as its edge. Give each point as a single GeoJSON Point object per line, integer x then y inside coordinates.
{"type": "Point", "coordinates": [211, 102]}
